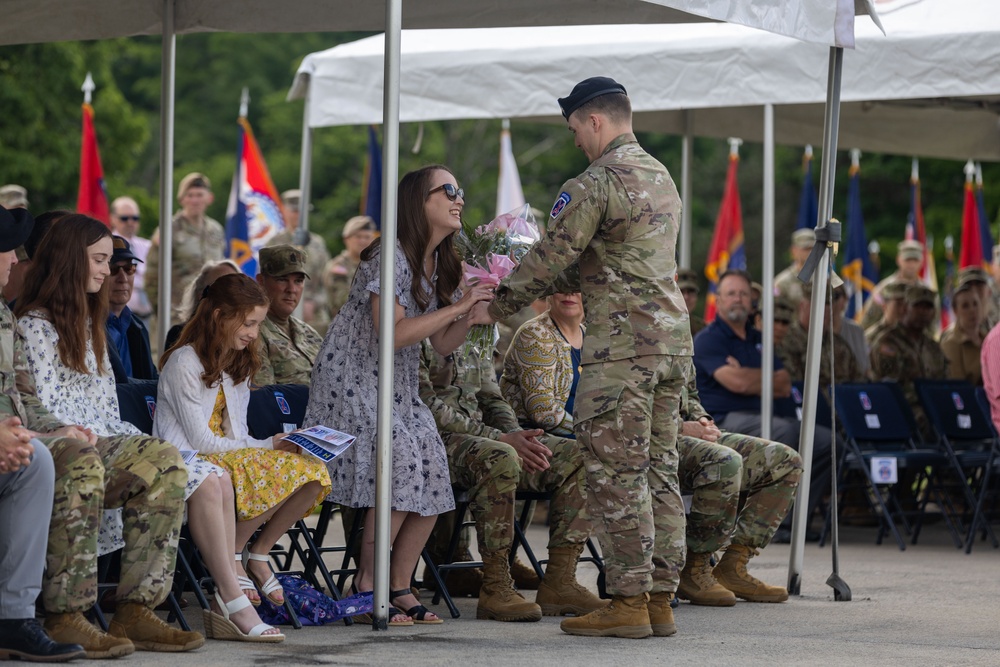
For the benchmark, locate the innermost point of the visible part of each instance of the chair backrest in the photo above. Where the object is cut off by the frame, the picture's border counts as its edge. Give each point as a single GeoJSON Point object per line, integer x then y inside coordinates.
{"type": "Point", "coordinates": [984, 405]}
{"type": "Point", "coordinates": [954, 410]}
{"type": "Point", "coordinates": [274, 406]}
{"type": "Point", "coordinates": [823, 417]}
{"type": "Point", "coordinates": [873, 415]}
{"type": "Point", "coordinates": [137, 403]}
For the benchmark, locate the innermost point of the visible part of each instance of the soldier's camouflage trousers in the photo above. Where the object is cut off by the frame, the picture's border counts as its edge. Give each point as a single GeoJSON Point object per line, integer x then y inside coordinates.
{"type": "Point", "coordinates": [626, 420]}
{"type": "Point", "coordinates": [766, 473]}
{"type": "Point", "coordinates": [143, 476]}
{"type": "Point", "coordinates": [491, 472]}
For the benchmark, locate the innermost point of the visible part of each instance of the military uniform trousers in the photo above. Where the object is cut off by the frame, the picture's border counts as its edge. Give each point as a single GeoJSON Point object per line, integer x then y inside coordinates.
{"type": "Point", "coordinates": [716, 474]}
{"type": "Point", "coordinates": [491, 472]}
{"type": "Point", "coordinates": [25, 508]}
{"type": "Point", "coordinates": [626, 421]}
{"type": "Point", "coordinates": [142, 475]}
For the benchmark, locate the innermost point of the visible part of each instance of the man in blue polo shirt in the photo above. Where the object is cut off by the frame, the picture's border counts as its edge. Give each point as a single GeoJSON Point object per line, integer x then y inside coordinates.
{"type": "Point", "coordinates": [727, 358]}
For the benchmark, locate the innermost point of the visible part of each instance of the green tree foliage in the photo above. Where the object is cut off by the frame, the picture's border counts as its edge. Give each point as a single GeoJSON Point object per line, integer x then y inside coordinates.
{"type": "Point", "coordinates": [40, 143]}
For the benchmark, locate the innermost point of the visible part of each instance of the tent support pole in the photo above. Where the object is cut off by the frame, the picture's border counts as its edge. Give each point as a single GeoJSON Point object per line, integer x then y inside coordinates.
{"type": "Point", "coordinates": [687, 145]}
{"type": "Point", "coordinates": [386, 314]}
{"type": "Point", "coordinates": [767, 279]}
{"type": "Point", "coordinates": [305, 165]}
{"type": "Point", "coordinates": [168, 67]}
{"type": "Point", "coordinates": [807, 435]}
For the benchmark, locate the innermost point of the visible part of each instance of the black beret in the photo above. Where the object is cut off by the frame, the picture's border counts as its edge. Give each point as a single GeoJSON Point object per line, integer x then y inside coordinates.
{"type": "Point", "coordinates": [587, 90]}
{"type": "Point", "coordinates": [15, 226]}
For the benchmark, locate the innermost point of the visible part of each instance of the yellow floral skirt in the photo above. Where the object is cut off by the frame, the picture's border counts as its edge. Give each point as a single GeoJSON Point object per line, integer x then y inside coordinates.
{"type": "Point", "coordinates": [263, 478]}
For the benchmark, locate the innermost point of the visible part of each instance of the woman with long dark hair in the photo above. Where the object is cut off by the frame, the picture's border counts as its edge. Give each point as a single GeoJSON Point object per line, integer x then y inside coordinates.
{"type": "Point", "coordinates": [61, 330]}
{"type": "Point", "coordinates": [427, 304]}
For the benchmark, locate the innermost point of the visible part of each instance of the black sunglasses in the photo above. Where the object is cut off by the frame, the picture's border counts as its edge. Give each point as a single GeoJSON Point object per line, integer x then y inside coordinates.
{"type": "Point", "coordinates": [128, 218]}
{"type": "Point", "coordinates": [129, 269]}
{"type": "Point", "coordinates": [450, 191]}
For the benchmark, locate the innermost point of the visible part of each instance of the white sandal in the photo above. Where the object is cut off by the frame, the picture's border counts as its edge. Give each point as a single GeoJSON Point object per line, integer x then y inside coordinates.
{"type": "Point", "coordinates": [245, 582]}
{"type": "Point", "coordinates": [269, 586]}
{"type": "Point", "coordinates": [220, 626]}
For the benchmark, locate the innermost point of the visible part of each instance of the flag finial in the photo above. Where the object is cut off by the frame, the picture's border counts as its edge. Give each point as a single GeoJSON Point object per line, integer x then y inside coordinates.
{"type": "Point", "coordinates": [244, 102]}
{"type": "Point", "coordinates": [915, 170]}
{"type": "Point", "coordinates": [88, 88]}
{"type": "Point", "coordinates": [979, 174]}
{"type": "Point", "coordinates": [970, 171]}
{"type": "Point", "coordinates": [809, 152]}
{"type": "Point", "coordinates": [505, 125]}
{"type": "Point", "coordinates": [734, 146]}
{"type": "Point", "coordinates": [855, 157]}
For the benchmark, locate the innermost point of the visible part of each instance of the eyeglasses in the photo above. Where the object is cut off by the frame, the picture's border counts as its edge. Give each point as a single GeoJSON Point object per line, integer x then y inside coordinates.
{"type": "Point", "coordinates": [785, 322]}
{"type": "Point", "coordinates": [450, 191]}
{"type": "Point", "coordinates": [128, 218]}
{"type": "Point", "coordinates": [129, 269]}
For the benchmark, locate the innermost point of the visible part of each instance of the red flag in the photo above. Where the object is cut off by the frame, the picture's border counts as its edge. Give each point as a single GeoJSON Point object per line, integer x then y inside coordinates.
{"type": "Point", "coordinates": [92, 197]}
{"type": "Point", "coordinates": [972, 249]}
{"type": "Point", "coordinates": [726, 250]}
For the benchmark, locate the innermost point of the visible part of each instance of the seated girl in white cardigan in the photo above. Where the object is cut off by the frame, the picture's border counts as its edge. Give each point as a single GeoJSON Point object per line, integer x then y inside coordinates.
{"type": "Point", "coordinates": [204, 391]}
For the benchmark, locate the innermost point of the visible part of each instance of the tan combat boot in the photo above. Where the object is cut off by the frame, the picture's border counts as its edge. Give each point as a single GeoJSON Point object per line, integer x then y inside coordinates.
{"type": "Point", "coordinates": [498, 600]}
{"type": "Point", "coordinates": [525, 577]}
{"type": "Point", "coordinates": [73, 628]}
{"type": "Point", "coordinates": [560, 593]}
{"type": "Point", "coordinates": [732, 573]}
{"type": "Point", "coordinates": [625, 616]}
{"type": "Point", "coordinates": [661, 615]}
{"type": "Point", "coordinates": [699, 586]}
{"type": "Point", "coordinates": [139, 623]}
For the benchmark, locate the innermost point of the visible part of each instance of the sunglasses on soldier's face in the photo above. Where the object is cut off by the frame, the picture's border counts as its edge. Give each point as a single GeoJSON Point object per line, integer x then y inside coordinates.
{"type": "Point", "coordinates": [450, 191]}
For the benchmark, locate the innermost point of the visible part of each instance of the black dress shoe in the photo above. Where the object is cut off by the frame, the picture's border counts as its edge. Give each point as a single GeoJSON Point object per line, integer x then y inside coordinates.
{"type": "Point", "coordinates": [25, 639]}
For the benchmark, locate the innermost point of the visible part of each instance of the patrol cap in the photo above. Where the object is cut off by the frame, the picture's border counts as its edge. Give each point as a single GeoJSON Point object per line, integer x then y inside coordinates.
{"type": "Point", "coordinates": [972, 274]}
{"type": "Point", "coordinates": [910, 250]}
{"type": "Point", "coordinates": [587, 90]}
{"type": "Point", "coordinates": [756, 287]}
{"type": "Point", "coordinates": [687, 279]}
{"type": "Point", "coordinates": [783, 309]}
{"type": "Point", "coordinates": [835, 282]}
{"type": "Point", "coordinates": [894, 290]}
{"type": "Point", "coordinates": [193, 180]}
{"type": "Point", "coordinates": [359, 223]}
{"type": "Point", "coordinates": [281, 260]}
{"type": "Point", "coordinates": [122, 250]}
{"type": "Point", "coordinates": [803, 238]}
{"type": "Point", "coordinates": [291, 197]}
{"type": "Point", "coordinates": [15, 227]}
{"type": "Point", "coordinates": [12, 196]}
{"type": "Point", "coordinates": [919, 294]}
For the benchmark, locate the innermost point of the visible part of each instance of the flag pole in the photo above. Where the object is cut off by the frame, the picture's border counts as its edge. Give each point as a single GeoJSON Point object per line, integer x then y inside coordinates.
{"type": "Point", "coordinates": [687, 148]}
{"type": "Point", "coordinates": [168, 62]}
{"type": "Point", "coordinates": [244, 102]}
{"type": "Point", "coordinates": [858, 278]}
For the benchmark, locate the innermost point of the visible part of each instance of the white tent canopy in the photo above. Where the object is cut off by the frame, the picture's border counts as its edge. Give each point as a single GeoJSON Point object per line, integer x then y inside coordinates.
{"type": "Point", "coordinates": [28, 21]}
{"type": "Point", "coordinates": [930, 87]}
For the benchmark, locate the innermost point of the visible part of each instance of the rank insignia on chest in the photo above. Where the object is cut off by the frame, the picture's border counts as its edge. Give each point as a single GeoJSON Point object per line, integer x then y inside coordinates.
{"type": "Point", "coordinates": [560, 204]}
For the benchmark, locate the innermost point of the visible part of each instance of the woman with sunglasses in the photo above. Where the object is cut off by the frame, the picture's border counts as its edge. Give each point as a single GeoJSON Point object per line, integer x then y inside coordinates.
{"type": "Point", "coordinates": [428, 304]}
{"type": "Point", "coordinates": [60, 329]}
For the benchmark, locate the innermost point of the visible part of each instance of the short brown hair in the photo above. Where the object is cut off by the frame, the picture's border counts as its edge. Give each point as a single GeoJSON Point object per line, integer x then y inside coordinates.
{"type": "Point", "coordinates": [616, 106]}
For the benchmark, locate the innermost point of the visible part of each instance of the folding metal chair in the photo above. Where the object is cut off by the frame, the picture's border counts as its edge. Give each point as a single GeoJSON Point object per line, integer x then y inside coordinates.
{"type": "Point", "coordinates": [967, 436]}
{"type": "Point", "coordinates": [876, 425]}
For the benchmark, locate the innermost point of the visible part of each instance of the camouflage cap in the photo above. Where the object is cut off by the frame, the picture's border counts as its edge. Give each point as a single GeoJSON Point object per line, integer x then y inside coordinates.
{"type": "Point", "coordinates": [972, 274]}
{"type": "Point", "coordinates": [804, 238]}
{"type": "Point", "coordinates": [835, 282]}
{"type": "Point", "coordinates": [919, 294]}
{"type": "Point", "coordinates": [894, 290]}
{"type": "Point", "coordinates": [193, 180]}
{"type": "Point", "coordinates": [910, 250]}
{"type": "Point", "coordinates": [687, 279]}
{"type": "Point", "coordinates": [358, 223]}
{"type": "Point", "coordinates": [281, 260]}
{"type": "Point", "coordinates": [784, 309]}
{"type": "Point", "coordinates": [12, 196]}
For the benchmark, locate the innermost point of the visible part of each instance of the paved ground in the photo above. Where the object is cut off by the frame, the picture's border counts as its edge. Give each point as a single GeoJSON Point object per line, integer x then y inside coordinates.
{"type": "Point", "coordinates": [929, 605]}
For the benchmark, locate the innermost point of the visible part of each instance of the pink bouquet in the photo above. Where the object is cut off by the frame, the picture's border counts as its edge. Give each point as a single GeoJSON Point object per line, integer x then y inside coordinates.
{"type": "Point", "coordinates": [489, 254]}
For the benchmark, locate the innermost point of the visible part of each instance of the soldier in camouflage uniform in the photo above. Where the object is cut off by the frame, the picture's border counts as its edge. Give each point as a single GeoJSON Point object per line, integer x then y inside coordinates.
{"type": "Point", "coordinates": [358, 234]}
{"type": "Point", "coordinates": [787, 283]}
{"type": "Point", "coordinates": [197, 239]}
{"type": "Point", "coordinates": [904, 353]}
{"type": "Point", "coordinates": [288, 345]}
{"type": "Point", "coordinates": [893, 307]}
{"type": "Point", "coordinates": [143, 476]}
{"type": "Point", "coordinates": [492, 456]}
{"type": "Point", "coordinates": [793, 347]}
{"type": "Point", "coordinates": [616, 227]}
{"type": "Point", "coordinates": [766, 472]}
{"type": "Point", "coordinates": [314, 311]}
{"type": "Point", "coordinates": [687, 281]}
{"type": "Point", "coordinates": [909, 258]}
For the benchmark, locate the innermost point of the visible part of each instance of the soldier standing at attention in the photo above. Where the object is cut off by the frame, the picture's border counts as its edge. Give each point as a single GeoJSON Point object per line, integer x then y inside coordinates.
{"type": "Point", "coordinates": [288, 345]}
{"type": "Point", "coordinates": [358, 234]}
{"type": "Point", "coordinates": [615, 226]}
{"type": "Point", "coordinates": [687, 280]}
{"type": "Point", "coordinates": [312, 244]}
{"type": "Point", "coordinates": [909, 259]}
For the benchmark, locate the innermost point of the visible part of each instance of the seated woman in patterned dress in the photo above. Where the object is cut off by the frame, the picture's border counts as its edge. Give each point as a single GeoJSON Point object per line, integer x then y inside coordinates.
{"type": "Point", "coordinates": [60, 329]}
{"type": "Point", "coordinates": [204, 392]}
{"type": "Point", "coordinates": [542, 366]}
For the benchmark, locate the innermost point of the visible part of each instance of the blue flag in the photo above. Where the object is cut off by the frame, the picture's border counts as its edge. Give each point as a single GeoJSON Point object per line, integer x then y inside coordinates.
{"type": "Point", "coordinates": [372, 184]}
{"type": "Point", "coordinates": [859, 272]}
{"type": "Point", "coordinates": [808, 202]}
